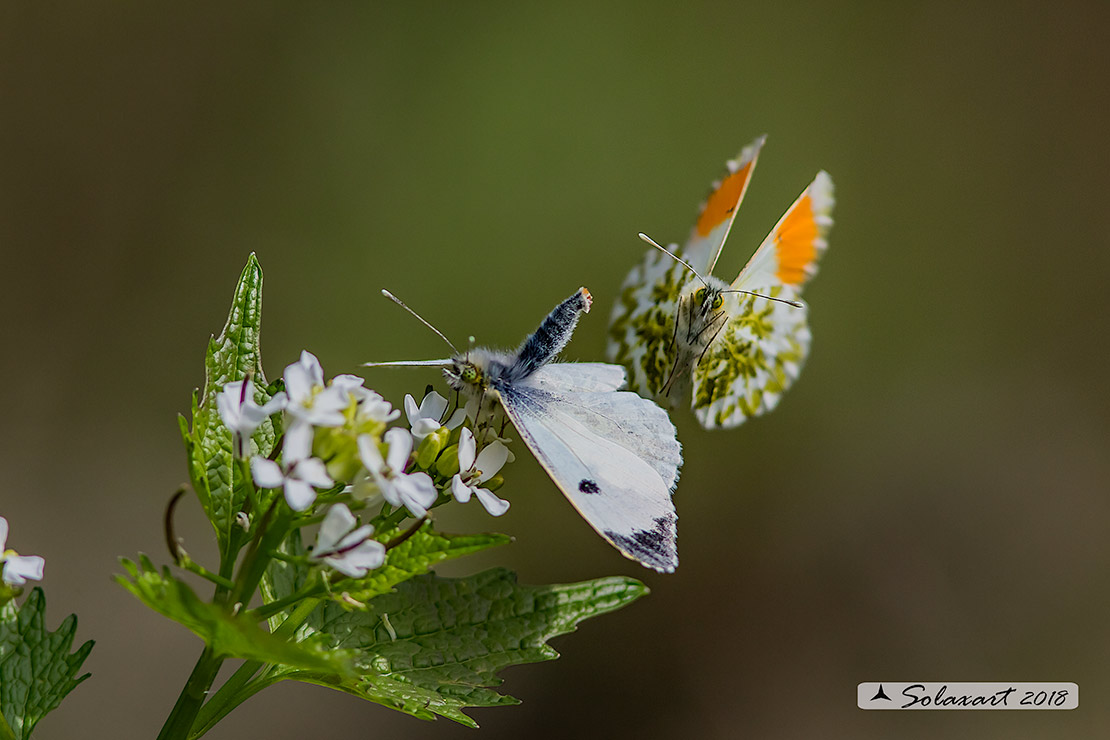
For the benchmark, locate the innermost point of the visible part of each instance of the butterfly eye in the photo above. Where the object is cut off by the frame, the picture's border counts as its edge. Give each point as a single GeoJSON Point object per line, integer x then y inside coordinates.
{"type": "Point", "coordinates": [469, 374]}
{"type": "Point", "coordinates": [717, 301]}
{"type": "Point", "coordinates": [700, 295]}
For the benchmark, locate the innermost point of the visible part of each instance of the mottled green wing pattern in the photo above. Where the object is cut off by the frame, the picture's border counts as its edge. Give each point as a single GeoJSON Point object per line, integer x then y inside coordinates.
{"type": "Point", "coordinates": [641, 329]}
{"type": "Point", "coordinates": [754, 359]}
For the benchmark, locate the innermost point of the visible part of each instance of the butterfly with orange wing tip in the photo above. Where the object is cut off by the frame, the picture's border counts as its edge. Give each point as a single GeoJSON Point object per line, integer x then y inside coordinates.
{"type": "Point", "coordinates": [735, 348]}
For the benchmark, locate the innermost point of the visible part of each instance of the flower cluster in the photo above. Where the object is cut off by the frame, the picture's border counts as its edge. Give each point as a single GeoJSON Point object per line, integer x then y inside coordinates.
{"type": "Point", "coordinates": [337, 440]}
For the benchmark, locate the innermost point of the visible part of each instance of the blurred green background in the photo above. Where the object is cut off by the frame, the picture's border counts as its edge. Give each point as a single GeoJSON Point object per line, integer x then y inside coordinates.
{"type": "Point", "coordinates": [928, 503]}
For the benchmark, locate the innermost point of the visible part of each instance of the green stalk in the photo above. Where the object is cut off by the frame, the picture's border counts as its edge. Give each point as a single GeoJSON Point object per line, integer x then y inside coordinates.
{"type": "Point", "coordinates": [5, 731]}
{"type": "Point", "coordinates": [239, 688]}
{"type": "Point", "coordinates": [184, 712]}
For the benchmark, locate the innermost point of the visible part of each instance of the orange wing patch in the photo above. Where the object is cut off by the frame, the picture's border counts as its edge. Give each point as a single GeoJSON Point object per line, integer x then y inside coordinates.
{"type": "Point", "coordinates": [796, 242]}
{"type": "Point", "coordinates": [723, 201]}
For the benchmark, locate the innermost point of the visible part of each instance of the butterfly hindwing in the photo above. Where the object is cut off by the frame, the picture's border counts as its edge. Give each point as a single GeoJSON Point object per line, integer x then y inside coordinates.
{"type": "Point", "coordinates": [756, 356]}
{"type": "Point", "coordinates": [642, 326]}
{"type": "Point", "coordinates": [596, 445]}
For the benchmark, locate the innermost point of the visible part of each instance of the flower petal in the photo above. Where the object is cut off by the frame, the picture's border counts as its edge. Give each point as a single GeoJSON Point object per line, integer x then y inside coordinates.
{"type": "Point", "coordinates": [456, 419]}
{"type": "Point", "coordinates": [417, 492]}
{"type": "Point", "coordinates": [495, 506]}
{"type": "Point", "coordinates": [412, 411]}
{"type": "Point", "coordinates": [466, 450]}
{"type": "Point", "coordinates": [369, 555]}
{"type": "Point", "coordinates": [19, 568]}
{"type": "Point", "coordinates": [275, 404]}
{"type": "Point", "coordinates": [266, 473]}
{"type": "Point", "coordinates": [337, 523]}
{"type": "Point", "coordinates": [423, 427]}
{"type": "Point", "coordinates": [491, 459]}
{"type": "Point", "coordinates": [460, 490]}
{"type": "Point", "coordinates": [433, 406]}
{"type": "Point", "coordinates": [298, 442]}
{"type": "Point", "coordinates": [351, 539]}
{"type": "Point", "coordinates": [227, 404]}
{"type": "Point", "coordinates": [298, 383]}
{"type": "Point", "coordinates": [298, 494]}
{"type": "Point", "coordinates": [3, 535]}
{"type": "Point", "coordinates": [369, 453]}
{"type": "Point", "coordinates": [313, 472]}
{"type": "Point", "coordinates": [400, 446]}
{"type": "Point", "coordinates": [312, 367]}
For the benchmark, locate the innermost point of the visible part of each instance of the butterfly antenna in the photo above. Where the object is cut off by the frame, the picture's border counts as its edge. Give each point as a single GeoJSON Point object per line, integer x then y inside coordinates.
{"type": "Point", "coordinates": [673, 256]}
{"type": "Point", "coordinates": [795, 304]}
{"type": "Point", "coordinates": [419, 318]}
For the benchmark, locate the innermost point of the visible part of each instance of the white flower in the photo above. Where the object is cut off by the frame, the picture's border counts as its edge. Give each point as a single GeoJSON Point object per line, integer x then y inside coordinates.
{"type": "Point", "coordinates": [414, 491]}
{"type": "Point", "coordinates": [474, 471]}
{"type": "Point", "coordinates": [487, 435]}
{"type": "Point", "coordinates": [352, 553]}
{"type": "Point", "coordinates": [425, 419]}
{"type": "Point", "coordinates": [372, 407]}
{"type": "Point", "coordinates": [302, 474]}
{"type": "Point", "coordinates": [309, 400]}
{"type": "Point", "coordinates": [17, 568]}
{"type": "Point", "coordinates": [242, 414]}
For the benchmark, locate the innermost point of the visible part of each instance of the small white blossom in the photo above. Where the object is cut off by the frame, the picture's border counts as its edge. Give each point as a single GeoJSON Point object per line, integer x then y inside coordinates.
{"type": "Point", "coordinates": [18, 569]}
{"type": "Point", "coordinates": [425, 418]}
{"type": "Point", "coordinates": [414, 491]}
{"type": "Point", "coordinates": [476, 470]}
{"type": "Point", "coordinates": [372, 407]}
{"type": "Point", "coordinates": [301, 475]}
{"type": "Point", "coordinates": [487, 435]}
{"type": "Point", "coordinates": [350, 551]}
{"type": "Point", "coordinates": [242, 414]}
{"type": "Point", "coordinates": [310, 401]}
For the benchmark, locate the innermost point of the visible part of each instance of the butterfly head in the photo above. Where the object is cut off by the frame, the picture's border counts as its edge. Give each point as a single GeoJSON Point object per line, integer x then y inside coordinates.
{"type": "Point", "coordinates": [463, 374]}
{"type": "Point", "coordinates": [472, 371]}
{"type": "Point", "coordinates": [709, 299]}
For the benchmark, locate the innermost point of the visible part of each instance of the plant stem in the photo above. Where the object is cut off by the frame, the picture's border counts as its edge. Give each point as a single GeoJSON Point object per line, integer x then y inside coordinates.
{"type": "Point", "coordinates": [238, 688]}
{"type": "Point", "coordinates": [181, 717]}
{"type": "Point", "coordinates": [5, 731]}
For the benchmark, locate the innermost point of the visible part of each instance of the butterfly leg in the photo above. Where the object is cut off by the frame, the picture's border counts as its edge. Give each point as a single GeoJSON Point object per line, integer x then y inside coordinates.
{"type": "Point", "coordinates": [710, 342]}
{"type": "Point", "coordinates": [666, 389]}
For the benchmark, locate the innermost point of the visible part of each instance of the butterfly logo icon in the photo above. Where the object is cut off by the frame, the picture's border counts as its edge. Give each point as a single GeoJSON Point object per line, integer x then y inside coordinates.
{"type": "Point", "coordinates": [734, 348]}
{"type": "Point", "coordinates": [612, 453]}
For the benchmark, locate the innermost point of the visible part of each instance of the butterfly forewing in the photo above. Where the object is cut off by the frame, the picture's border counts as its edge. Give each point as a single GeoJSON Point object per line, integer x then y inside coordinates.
{"type": "Point", "coordinates": [715, 218]}
{"type": "Point", "coordinates": [632, 422]}
{"type": "Point", "coordinates": [594, 446]}
{"type": "Point", "coordinates": [789, 254]}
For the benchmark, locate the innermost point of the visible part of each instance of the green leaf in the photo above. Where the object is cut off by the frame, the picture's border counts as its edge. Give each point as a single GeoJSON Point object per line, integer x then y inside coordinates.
{"type": "Point", "coordinates": [435, 645]}
{"type": "Point", "coordinates": [36, 668]}
{"type": "Point", "coordinates": [231, 356]}
{"type": "Point", "coordinates": [415, 556]}
{"type": "Point", "coordinates": [412, 557]}
{"type": "Point", "coordinates": [228, 634]}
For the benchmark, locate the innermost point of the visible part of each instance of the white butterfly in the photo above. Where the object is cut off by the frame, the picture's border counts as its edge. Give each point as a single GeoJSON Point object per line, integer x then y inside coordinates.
{"type": "Point", "coordinates": [612, 453]}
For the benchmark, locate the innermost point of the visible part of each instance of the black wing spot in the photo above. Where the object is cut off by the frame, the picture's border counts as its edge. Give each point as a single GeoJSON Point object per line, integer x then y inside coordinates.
{"type": "Point", "coordinates": [588, 486]}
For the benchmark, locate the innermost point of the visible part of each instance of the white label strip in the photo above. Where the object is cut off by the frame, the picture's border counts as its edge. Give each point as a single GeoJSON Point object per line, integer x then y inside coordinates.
{"type": "Point", "coordinates": [966, 695]}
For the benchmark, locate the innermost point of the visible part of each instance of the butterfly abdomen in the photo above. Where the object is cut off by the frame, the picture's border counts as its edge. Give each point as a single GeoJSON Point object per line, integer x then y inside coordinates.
{"type": "Point", "coordinates": [551, 336]}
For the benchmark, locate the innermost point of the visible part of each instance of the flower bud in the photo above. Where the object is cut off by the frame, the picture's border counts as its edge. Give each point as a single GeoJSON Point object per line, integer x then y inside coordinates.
{"type": "Point", "coordinates": [448, 463]}
{"type": "Point", "coordinates": [430, 447]}
{"type": "Point", "coordinates": [494, 483]}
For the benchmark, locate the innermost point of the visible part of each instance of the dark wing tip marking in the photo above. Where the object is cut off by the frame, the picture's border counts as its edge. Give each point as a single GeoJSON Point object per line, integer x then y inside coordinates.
{"type": "Point", "coordinates": [655, 548]}
{"type": "Point", "coordinates": [588, 486]}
